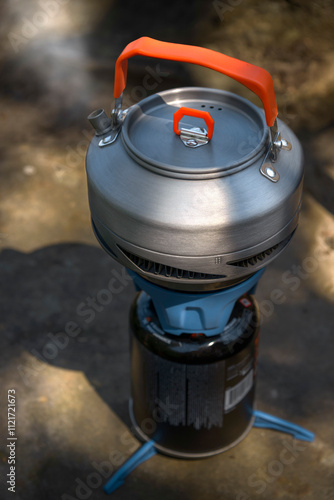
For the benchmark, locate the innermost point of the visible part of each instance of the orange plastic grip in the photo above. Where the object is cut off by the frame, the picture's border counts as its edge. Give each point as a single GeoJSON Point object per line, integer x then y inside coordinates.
{"type": "Point", "coordinates": [197, 113]}
{"type": "Point", "coordinates": [254, 78]}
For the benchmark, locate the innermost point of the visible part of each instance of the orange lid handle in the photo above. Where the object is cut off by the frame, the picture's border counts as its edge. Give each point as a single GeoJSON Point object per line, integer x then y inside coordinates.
{"type": "Point", "coordinates": [197, 113]}
{"type": "Point", "coordinates": [254, 78]}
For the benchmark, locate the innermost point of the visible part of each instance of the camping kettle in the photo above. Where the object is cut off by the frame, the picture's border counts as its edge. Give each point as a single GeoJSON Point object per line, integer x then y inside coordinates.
{"type": "Point", "coordinates": [194, 188]}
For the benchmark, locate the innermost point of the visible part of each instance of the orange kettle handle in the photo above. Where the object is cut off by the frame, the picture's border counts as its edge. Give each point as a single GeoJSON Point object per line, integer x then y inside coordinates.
{"type": "Point", "coordinates": [254, 78]}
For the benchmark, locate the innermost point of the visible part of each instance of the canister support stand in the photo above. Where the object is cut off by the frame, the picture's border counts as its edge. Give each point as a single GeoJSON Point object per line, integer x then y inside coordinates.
{"type": "Point", "coordinates": [141, 455]}
{"type": "Point", "coordinates": [147, 450]}
{"type": "Point", "coordinates": [266, 421]}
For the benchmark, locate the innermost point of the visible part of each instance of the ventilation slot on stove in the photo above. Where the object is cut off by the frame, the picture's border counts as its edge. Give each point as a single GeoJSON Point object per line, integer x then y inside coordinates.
{"type": "Point", "coordinates": [149, 266]}
{"type": "Point", "coordinates": [254, 259]}
{"type": "Point", "coordinates": [262, 256]}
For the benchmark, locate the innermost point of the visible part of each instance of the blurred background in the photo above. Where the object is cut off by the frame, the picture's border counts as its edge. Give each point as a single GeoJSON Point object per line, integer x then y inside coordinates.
{"type": "Point", "coordinates": [57, 59]}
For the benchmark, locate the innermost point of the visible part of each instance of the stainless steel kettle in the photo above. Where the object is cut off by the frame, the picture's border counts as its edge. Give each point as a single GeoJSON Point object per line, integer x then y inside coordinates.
{"type": "Point", "coordinates": [194, 188]}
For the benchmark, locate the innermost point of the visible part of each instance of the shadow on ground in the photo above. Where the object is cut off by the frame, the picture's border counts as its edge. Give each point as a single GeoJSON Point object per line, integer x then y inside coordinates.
{"type": "Point", "coordinates": [72, 390]}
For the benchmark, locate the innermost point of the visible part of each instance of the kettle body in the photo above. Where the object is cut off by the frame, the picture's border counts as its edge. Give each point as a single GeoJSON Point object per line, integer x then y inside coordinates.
{"type": "Point", "coordinates": [188, 206]}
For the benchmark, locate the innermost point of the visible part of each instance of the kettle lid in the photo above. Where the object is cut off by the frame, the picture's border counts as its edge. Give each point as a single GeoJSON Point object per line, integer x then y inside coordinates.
{"type": "Point", "coordinates": [195, 132]}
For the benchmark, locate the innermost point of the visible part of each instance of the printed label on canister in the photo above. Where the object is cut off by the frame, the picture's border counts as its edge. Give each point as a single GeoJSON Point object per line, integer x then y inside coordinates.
{"type": "Point", "coordinates": [191, 395]}
{"type": "Point", "coordinates": [235, 394]}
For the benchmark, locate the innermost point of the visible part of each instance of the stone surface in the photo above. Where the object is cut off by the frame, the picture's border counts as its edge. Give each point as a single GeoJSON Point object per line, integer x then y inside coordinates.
{"type": "Point", "coordinates": [72, 388]}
